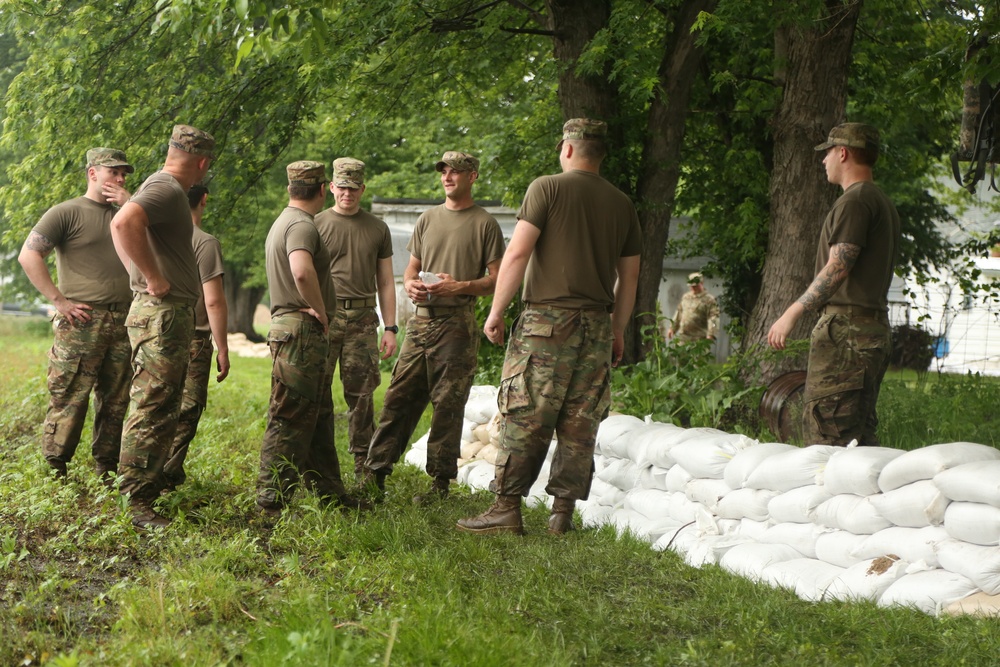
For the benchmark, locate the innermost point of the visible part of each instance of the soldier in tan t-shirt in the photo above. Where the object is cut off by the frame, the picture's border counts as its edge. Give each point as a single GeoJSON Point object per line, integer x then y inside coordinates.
{"type": "Point", "coordinates": [90, 351]}
{"type": "Point", "coordinates": [697, 315]}
{"type": "Point", "coordinates": [461, 245]}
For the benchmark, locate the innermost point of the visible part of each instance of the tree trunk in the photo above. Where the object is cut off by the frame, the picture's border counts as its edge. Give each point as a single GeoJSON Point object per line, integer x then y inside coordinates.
{"type": "Point", "coordinates": [242, 302]}
{"type": "Point", "coordinates": [813, 101]}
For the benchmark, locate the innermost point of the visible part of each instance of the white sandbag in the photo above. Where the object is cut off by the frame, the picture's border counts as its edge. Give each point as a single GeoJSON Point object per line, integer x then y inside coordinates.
{"type": "Point", "coordinates": [926, 462]}
{"type": "Point", "coordinates": [807, 577]}
{"type": "Point", "coordinates": [752, 529]}
{"type": "Point", "coordinates": [971, 482]}
{"type": "Point", "coordinates": [627, 522]}
{"type": "Point", "coordinates": [650, 503]}
{"type": "Point", "coordinates": [852, 513]}
{"type": "Point", "coordinates": [593, 515]}
{"type": "Point", "coordinates": [416, 455]}
{"type": "Point", "coordinates": [978, 563]}
{"type": "Point", "coordinates": [493, 428]}
{"type": "Point", "coordinates": [603, 493]}
{"type": "Point", "coordinates": [745, 461]}
{"type": "Point", "coordinates": [798, 505]}
{"type": "Point", "coordinates": [653, 477]}
{"type": "Point", "coordinates": [801, 536]}
{"type": "Point", "coordinates": [482, 404]}
{"type": "Point", "coordinates": [621, 473]}
{"type": "Point", "coordinates": [866, 580]}
{"type": "Point", "coordinates": [701, 550]}
{"type": "Point", "coordinates": [482, 433]}
{"type": "Point", "coordinates": [911, 544]}
{"type": "Point", "coordinates": [480, 475]}
{"type": "Point", "coordinates": [470, 449]}
{"type": "Point", "coordinates": [792, 469]}
{"type": "Point", "coordinates": [676, 479]}
{"type": "Point", "coordinates": [706, 491]}
{"type": "Point", "coordinates": [856, 469]}
{"type": "Point", "coordinates": [707, 455]}
{"type": "Point", "coordinates": [467, 426]}
{"type": "Point", "coordinates": [838, 546]}
{"type": "Point", "coordinates": [651, 443]}
{"type": "Point", "coordinates": [927, 591]}
{"type": "Point", "coordinates": [914, 505]}
{"type": "Point", "coordinates": [683, 509]}
{"type": "Point", "coordinates": [488, 453]}
{"type": "Point", "coordinates": [749, 560]}
{"type": "Point", "coordinates": [611, 430]}
{"type": "Point", "coordinates": [977, 523]}
{"type": "Point", "coordinates": [745, 504]}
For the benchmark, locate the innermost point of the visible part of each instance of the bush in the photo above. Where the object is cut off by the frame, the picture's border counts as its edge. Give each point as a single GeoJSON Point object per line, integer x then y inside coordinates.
{"type": "Point", "coordinates": [912, 347]}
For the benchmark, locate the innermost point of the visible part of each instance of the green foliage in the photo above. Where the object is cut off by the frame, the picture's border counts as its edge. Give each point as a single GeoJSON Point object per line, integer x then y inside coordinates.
{"type": "Point", "coordinates": [911, 347]}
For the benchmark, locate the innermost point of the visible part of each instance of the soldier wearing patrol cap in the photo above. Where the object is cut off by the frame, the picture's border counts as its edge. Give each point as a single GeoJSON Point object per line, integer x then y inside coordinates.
{"type": "Point", "coordinates": [461, 245]}
{"type": "Point", "coordinates": [697, 315]}
{"type": "Point", "coordinates": [152, 234]}
{"type": "Point", "coordinates": [298, 442]}
{"type": "Point", "coordinates": [850, 344]}
{"type": "Point", "coordinates": [361, 265]}
{"type": "Point", "coordinates": [576, 246]}
{"type": "Point", "coordinates": [90, 350]}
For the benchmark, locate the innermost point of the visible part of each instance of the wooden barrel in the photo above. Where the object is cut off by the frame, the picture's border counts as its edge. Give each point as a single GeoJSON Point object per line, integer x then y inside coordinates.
{"type": "Point", "coordinates": [781, 406]}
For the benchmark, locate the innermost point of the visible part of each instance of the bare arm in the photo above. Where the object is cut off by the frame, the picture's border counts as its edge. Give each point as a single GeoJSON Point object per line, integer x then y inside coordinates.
{"type": "Point", "coordinates": [510, 275]}
{"type": "Point", "coordinates": [32, 259]}
{"type": "Point", "coordinates": [841, 260]}
{"type": "Point", "coordinates": [478, 287]}
{"type": "Point", "coordinates": [628, 278]}
{"type": "Point", "coordinates": [128, 230]}
{"type": "Point", "coordinates": [414, 286]}
{"type": "Point", "coordinates": [307, 283]}
{"type": "Point", "coordinates": [218, 321]}
{"type": "Point", "coordinates": [385, 283]}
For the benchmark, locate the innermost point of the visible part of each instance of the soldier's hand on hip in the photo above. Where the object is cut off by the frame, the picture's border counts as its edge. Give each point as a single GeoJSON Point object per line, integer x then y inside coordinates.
{"type": "Point", "coordinates": [74, 312]}
{"type": "Point", "coordinates": [158, 287]}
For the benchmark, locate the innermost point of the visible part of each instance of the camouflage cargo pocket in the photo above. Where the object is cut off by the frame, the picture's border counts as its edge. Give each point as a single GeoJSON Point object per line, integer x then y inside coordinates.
{"type": "Point", "coordinates": [61, 371]}
{"type": "Point", "coordinates": [514, 394]}
{"type": "Point", "coordinates": [835, 408]}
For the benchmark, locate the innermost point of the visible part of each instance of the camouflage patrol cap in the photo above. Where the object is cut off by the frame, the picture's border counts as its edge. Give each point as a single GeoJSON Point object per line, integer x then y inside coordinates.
{"type": "Point", "coordinates": [694, 278]}
{"type": "Point", "coordinates": [192, 140]}
{"type": "Point", "coordinates": [458, 161]}
{"type": "Point", "coordinates": [852, 135]}
{"type": "Point", "coordinates": [108, 157]}
{"type": "Point", "coordinates": [348, 173]}
{"type": "Point", "coordinates": [583, 128]}
{"type": "Point", "coordinates": [306, 172]}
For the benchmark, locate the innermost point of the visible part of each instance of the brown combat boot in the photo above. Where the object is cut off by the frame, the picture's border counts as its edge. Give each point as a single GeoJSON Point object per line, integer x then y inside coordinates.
{"type": "Point", "coordinates": [561, 519]}
{"type": "Point", "coordinates": [359, 466]}
{"type": "Point", "coordinates": [58, 466]}
{"type": "Point", "coordinates": [373, 484]}
{"type": "Point", "coordinates": [438, 491]}
{"type": "Point", "coordinates": [503, 516]}
{"type": "Point", "coordinates": [144, 516]}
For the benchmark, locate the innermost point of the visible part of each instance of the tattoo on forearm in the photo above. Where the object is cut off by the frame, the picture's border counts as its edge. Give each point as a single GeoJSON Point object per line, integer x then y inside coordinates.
{"type": "Point", "coordinates": [842, 259]}
{"type": "Point", "coordinates": [39, 244]}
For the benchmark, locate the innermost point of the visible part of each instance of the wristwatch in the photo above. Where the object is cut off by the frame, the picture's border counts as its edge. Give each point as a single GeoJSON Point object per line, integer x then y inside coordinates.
{"type": "Point", "coordinates": [394, 329]}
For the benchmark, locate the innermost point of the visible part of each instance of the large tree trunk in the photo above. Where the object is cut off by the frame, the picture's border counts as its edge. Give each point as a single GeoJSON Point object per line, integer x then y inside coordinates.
{"type": "Point", "coordinates": [242, 302]}
{"type": "Point", "coordinates": [813, 101]}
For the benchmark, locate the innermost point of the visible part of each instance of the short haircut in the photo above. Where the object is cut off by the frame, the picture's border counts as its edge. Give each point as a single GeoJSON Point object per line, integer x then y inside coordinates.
{"type": "Point", "coordinates": [865, 156]}
{"type": "Point", "coordinates": [592, 150]}
{"type": "Point", "coordinates": [195, 194]}
{"type": "Point", "coordinates": [306, 192]}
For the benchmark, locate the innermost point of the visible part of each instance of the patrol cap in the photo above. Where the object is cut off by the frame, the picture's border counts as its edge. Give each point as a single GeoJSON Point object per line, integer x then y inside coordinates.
{"type": "Point", "coordinates": [306, 172]}
{"type": "Point", "coordinates": [852, 135]}
{"type": "Point", "coordinates": [348, 173]}
{"type": "Point", "coordinates": [192, 140]}
{"type": "Point", "coordinates": [108, 157]}
{"type": "Point", "coordinates": [458, 161]}
{"type": "Point", "coordinates": [695, 278]}
{"type": "Point", "coordinates": [583, 128]}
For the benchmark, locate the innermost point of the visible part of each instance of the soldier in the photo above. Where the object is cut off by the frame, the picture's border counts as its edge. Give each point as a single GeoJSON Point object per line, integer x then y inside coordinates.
{"type": "Point", "coordinates": [152, 235]}
{"type": "Point", "coordinates": [211, 316]}
{"type": "Point", "coordinates": [299, 439]}
{"type": "Point", "coordinates": [577, 240]}
{"type": "Point", "coordinates": [90, 349]}
{"type": "Point", "coordinates": [361, 264]}
{"type": "Point", "coordinates": [850, 345]}
{"type": "Point", "coordinates": [458, 242]}
{"type": "Point", "coordinates": [697, 315]}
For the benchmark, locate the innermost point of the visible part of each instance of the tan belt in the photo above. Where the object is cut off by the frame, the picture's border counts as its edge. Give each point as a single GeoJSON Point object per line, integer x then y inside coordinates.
{"type": "Point", "coordinates": [595, 309]}
{"type": "Point", "coordinates": [112, 307]}
{"type": "Point", "coordinates": [853, 311]}
{"type": "Point", "coordinates": [350, 304]}
{"type": "Point", "coordinates": [439, 311]}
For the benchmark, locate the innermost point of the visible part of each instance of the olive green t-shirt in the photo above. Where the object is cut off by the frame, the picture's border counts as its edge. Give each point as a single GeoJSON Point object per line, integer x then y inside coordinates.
{"type": "Point", "coordinates": [356, 243]}
{"type": "Point", "coordinates": [459, 243]}
{"type": "Point", "coordinates": [88, 266]}
{"type": "Point", "coordinates": [169, 214]}
{"type": "Point", "coordinates": [295, 230]}
{"type": "Point", "coordinates": [865, 217]}
{"type": "Point", "coordinates": [208, 253]}
{"type": "Point", "coordinates": [586, 226]}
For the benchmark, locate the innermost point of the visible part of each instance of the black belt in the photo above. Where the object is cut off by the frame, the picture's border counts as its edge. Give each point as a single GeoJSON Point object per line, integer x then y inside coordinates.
{"type": "Point", "coordinates": [439, 311]}
{"type": "Point", "coordinates": [853, 311]}
{"type": "Point", "coordinates": [349, 304]}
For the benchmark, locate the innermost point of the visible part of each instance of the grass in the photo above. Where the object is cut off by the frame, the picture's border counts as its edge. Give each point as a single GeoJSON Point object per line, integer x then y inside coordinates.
{"type": "Point", "coordinates": [78, 586]}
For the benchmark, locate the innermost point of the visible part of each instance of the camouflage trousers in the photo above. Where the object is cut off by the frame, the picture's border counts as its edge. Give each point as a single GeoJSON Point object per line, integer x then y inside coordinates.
{"type": "Point", "coordinates": [436, 364]}
{"type": "Point", "coordinates": [299, 440]}
{"type": "Point", "coordinates": [354, 345]}
{"type": "Point", "coordinates": [193, 402]}
{"type": "Point", "coordinates": [556, 378]}
{"type": "Point", "coordinates": [160, 331]}
{"type": "Point", "coordinates": [88, 356]}
{"type": "Point", "coordinates": [848, 357]}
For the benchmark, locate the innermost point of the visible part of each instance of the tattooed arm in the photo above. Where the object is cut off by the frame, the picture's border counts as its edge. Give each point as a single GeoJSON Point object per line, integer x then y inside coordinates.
{"type": "Point", "coordinates": [32, 259]}
{"type": "Point", "coordinates": [826, 283]}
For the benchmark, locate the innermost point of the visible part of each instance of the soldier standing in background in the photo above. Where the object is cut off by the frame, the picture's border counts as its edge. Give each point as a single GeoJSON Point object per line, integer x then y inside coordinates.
{"type": "Point", "coordinates": [90, 350]}
{"type": "Point", "coordinates": [697, 316]}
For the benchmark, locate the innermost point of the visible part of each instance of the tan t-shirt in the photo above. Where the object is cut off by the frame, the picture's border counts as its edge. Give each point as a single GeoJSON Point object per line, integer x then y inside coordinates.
{"type": "Point", "coordinates": [166, 205]}
{"type": "Point", "coordinates": [356, 243]}
{"type": "Point", "coordinates": [459, 243]}
{"type": "Point", "coordinates": [586, 226]}
{"type": "Point", "coordinates": [208, 253]}
{"type": "Point", "coordinates": [294, 230]}
{"type": "Point", "coordinates": [88, 266]}
{"type": "Point", "coordinates": [865, 217]}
